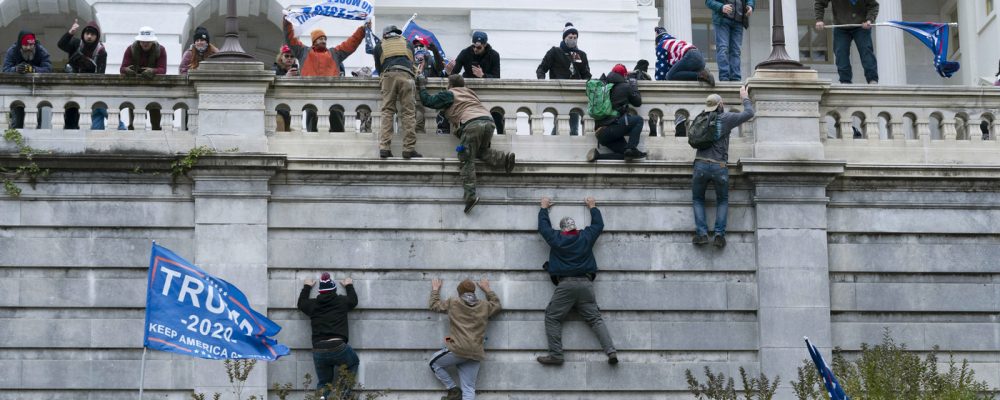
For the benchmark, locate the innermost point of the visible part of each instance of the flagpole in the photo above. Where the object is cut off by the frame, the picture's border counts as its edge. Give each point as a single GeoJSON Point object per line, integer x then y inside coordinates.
{"type": "Point", "coordinates": [142, 371]}
{"type": "Point", "coordinates": [875, 24]}
{"type": "Point", "coordinates": [409, 21]}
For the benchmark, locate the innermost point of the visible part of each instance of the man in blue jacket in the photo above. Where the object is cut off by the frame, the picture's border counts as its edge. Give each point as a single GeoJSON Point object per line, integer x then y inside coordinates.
{"type": "Point", "coordinates": [573, 268]}
{"type": "Point", "coordinates": [729, 17]}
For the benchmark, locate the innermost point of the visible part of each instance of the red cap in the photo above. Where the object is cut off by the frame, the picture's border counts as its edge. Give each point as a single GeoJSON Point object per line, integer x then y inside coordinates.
{"type": "Point", "coordinates": [619, 69]}
{"type": "Point", "coordinates": [27, 39]}
{"type": "Point", "coordinates": [285, 49]}
{"type": "Point", "coordinates": [422, 40]}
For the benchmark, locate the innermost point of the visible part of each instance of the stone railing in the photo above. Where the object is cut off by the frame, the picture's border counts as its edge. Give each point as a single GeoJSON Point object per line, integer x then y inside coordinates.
{"type": "Point", "coordinates": [896, 124]}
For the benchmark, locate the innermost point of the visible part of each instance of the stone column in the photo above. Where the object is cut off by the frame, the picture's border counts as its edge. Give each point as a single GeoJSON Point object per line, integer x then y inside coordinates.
{"type": "Point", "coordinates": [890, 50]}
{"type": "Point", "coordinates": [787, 108]}
{"type": "Point", "coordinates": [230, 235]}
{"type": "Point", "coordinates": [231, 104]}
{"type": "Point", "coordinates": [677, 19]}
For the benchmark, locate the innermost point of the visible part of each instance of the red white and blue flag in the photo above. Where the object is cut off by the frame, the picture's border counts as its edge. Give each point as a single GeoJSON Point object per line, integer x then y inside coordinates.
{"type": "Point", "coordinates": [832, 386]}
{"type": "Point", "coordinates": [935, 36]}
{"type": "Point", "coordinates": [412, 31]}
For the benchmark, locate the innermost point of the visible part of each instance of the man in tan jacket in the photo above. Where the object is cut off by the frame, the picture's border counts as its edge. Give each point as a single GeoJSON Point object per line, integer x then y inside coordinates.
{"type": "Point", "coordinates": [464, 346]}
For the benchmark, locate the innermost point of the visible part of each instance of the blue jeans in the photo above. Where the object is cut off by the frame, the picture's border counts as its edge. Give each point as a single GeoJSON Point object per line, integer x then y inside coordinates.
{"type": "Point", "coordinates": [688, 67]}
{"type": "Point", "coordinates": [328, 367]}
{"type": "Point", "coordinates": [705, 172]}
{"type": "Point", "coordinates": [728, 39]}
{"type": "Point", "coordinates": [862, 37]}
{"type": "Point", "coordinates": [97, 117]}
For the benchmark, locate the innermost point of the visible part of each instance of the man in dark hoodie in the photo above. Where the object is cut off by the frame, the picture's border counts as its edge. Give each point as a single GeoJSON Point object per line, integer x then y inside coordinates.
{"type": "Point", "coordinates": [200, 50]}
{"type": "Point", "coordinates": [328, 317]}
{"type": "Point", "coordinates": [86, 56]}
{"type": "Point", "coordinates": [572, 267]}
{"type": "Point", "coordinates": [25, 56]}
{"type": "Point", "coordinates": [621, 133]}
{"type": "Point", "coordinates": [566, 61]}
{"type": "Point", "coordinates": [478, 60]}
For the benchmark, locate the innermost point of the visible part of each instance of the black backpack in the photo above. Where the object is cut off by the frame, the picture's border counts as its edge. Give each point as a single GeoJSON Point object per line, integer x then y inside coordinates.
{"type": "Point", "coordinates": [705, 130]}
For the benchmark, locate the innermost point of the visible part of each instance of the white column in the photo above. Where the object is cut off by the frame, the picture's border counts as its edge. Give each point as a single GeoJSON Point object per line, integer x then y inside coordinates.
{"type": "Point", "coordinates": [677, 19]}
{"type": "Point", "coordinates": [790, 19]}
{"type": "Point", "coordinates": [889, 46]}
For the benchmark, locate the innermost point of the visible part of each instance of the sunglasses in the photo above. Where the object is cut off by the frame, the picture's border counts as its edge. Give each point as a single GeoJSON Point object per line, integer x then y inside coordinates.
{"type": "Point", "coordinates": [288, 56]}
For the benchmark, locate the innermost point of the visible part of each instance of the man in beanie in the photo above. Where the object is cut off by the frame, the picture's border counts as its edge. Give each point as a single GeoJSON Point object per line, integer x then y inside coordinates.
{"type": "Point", "coordinates": [26, 55]}
{"type": "Point", "coordinates": [318, 60]}
{"type": "Point", "coordinates": [473, 125]}
{"type": "Point", "coordinates": [198, 52]}
{"type": "Point", "coordinates": [566, 61]}
{"type": "Point", "coordinates": [86, 56]}
{"type": "Point", "coordinates": [478, 60]}
{"type": "Point", "coordinates": [853, 12]}
{"type": "Point", "coordinates": [572, 267]}
{"type": "Point", "coordinates": [621, 134]}
{"type": "Point", "coordinates": [677, 60]}
{"type": "Point", "coordinates": [710, 166]}
{"type": "Point", "coordinates": [641, 71]}
{"type": "Point", "coordinates": [394, 61]}
{"type": "Point", "coordinates": [467, 316]}
{"type": "Point", "coordinates": [328, 317]}
{"type": "Point", "coordinates": [729, 17]}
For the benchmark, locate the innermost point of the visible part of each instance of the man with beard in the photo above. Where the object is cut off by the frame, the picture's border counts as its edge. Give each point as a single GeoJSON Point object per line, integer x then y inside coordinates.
{"type": "Point", "coordinates": [200, 50]}
{"type": "Point", "coordinates": [86, 56]}
{"type": "Point", "coordinates": [25, 56]}
{"type": "Point", "coordinates": [566, 61]}
{"type": "Point", "coordinates": [478, 60]}
{"type": "Point", "coordinates": [145, 58]}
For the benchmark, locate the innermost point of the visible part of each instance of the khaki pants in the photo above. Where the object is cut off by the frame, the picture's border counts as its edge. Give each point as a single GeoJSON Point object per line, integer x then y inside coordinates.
{"type": "Point", "coordinates": [476, 139]}
{"type": "Point", "coordinates": [397, 86]}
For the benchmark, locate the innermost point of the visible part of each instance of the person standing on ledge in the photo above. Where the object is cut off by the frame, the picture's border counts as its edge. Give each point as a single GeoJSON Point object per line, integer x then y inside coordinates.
{"type": "Point", "coordinates": [572, 268]}
{"type": "Point", "coordinates": [394, 62]}
{"type": "Point", "coordinates": [566, 61]}
{"type": "Point", "coordinates": [855, 12]}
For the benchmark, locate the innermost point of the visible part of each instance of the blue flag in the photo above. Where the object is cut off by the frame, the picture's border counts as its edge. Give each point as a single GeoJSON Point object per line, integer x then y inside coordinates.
{"type": "Point", "coordinates": [832, 386]}
{"type": "Point", "coordinates": [412, 31]}
{"type": "Point", "coordinates": [935, 37]}
{"type": "Point", "coordinates": [193, 313]}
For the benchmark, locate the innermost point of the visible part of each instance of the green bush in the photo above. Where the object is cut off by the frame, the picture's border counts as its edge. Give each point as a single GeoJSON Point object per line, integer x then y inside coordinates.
{"type": "Point", "coordinates": [718, 387]}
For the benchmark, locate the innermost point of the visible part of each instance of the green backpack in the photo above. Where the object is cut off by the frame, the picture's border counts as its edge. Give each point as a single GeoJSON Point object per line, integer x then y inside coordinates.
{"type": "Point", "coordinates": [599, 99]}
{"type": "Point", "coordinates": [705, 130]}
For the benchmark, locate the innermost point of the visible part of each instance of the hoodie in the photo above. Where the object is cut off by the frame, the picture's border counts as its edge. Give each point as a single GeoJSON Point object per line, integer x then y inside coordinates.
{"type": "Point", "coordinates": [85, 58]}
{"type": "Point", "coordinates": [13, 58]}
{"type": "Point", "coordinates": [571, 254]}
{"type": "Point", "coordinates": [467, 323]}
{"type": "Point", "coordinates": [328, 312]}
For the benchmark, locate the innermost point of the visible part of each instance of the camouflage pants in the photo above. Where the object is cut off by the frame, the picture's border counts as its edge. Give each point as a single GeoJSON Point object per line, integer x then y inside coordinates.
{"type": "Point", "coordinates": [397, 86]}
{"type": "Point", "coordinates": [476, 137]}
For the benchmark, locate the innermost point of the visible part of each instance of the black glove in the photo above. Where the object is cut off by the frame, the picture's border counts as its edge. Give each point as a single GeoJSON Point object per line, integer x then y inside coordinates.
{"type": "Point", "coordinates": [421, 81]}
{"type": "Point", "coordinates": [148, 73]}
{"type": "Point", "coordinates": [21, 68]}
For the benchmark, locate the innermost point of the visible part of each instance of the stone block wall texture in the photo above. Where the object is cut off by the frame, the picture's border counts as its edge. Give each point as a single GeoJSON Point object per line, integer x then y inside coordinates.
{"type": "Point", "coordinates": [915, 255]}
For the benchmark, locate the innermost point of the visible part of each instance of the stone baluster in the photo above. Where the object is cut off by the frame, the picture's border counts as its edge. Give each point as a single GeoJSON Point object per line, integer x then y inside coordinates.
{"type": "Point", "coordinates": [85, 114]}
{"type": "Point", "coordinates": [295, 125]}
{"type": "Point", "coordinates": [588, 125]}
{"type": "Point", "coordinates": [995, 129]}
{"type": "Point", "coordinates": [323, 125]}
{"type": "Point", "coordinates": [192, 121]}
{"type": "Point", "coordinates": [30, 117]}
{"type": "Point", "coordinates": [167, 120]}
{"type": "Point", "coordinates": [949, 130]}
{"type": "Point", "coordinates": [114, 116]}
{"type": "Point", "coordinates": [57, 118]}
{"type": "Point", "coordinates": [4, 122]}
{"type": "Point", "coordinates": [972, 131]}
{"type": "Point", "coordinates": [668, 125]}
{"type": "Point", "coordinates": [377, 122]}
{"type": "Point", "coordinates": [897, 133]}
{"type": "Point", "coordinates": [562, 121]}
{"type": "Point", "coordinates": [923, 129]}
{"type": "Point", "coordinates": [872, 130]}
{"type": "Point", "coordinates": [510, 123]}
{"type": "Point", "coordinates": [846, 128]}
{"type": "Point", "coordinates": [537, 127]}
{"type": "Point", "coordinates": [139, 119]}
{"type": "Point", "coordinates": [351, 122]}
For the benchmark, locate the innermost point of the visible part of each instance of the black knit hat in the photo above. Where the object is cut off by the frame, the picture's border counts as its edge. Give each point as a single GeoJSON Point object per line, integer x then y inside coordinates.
{"type": "Point", "coordinates": [642, 65]}
{"type": "Point", "coordinates": [568, 29]}
{"type": "Point", "coordinates": [200, 33]}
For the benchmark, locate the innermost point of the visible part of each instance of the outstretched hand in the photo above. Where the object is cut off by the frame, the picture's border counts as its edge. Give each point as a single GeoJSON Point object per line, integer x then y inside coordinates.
{"type": "Point", "coordinates": [484, 284]}
{"type": "Point", "coordinates": [75, 26]}
{"type": "Point", "coordinates": [546, 202]}
{"type": "Point", "coordinates": [436, 284]}
{"type": "Point", "coordinates": [309, 282]}
{"type": "Point", "coordinates": [347, 281]}
{"type": "Point", "coordinates": [590, 201]}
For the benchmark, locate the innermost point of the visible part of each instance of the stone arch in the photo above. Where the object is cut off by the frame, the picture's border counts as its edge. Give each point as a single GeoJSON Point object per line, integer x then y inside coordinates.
{"type": "Point", "coordinates": [682, 120]}
{"type": "Point", "coordinates": [831, 125]}
{"type": "Point", "coordinates": [523, 121]}
{"type": "Point", "coordinates": [501, 113]}
{"type": "Point", "coordinates": [989, 130]}
{"type": "Point", "coordinates": [859, 125]}
{"type": "Point", "coordinates": [550, 121]}
{"type": "Point", "coordinates": [910, 126]}
{"type": "Point", "coordinates": [936, 125]}
{"type": "Point", "coordinates": [962, 126]}
{"type": "Point", "coordinates": [260, 26]}
{"type": "Point", "coordinates": [885, 125]}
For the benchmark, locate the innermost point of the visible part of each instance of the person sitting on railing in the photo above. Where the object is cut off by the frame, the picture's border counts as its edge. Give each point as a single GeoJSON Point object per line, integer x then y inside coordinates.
{"type": "Point", "coordinates": [145, 57]}
{"type": "Point", "coordinates": [394, 61]}
{"type": "Point", "coordinates": [621, 132]}
{"type": "Point", "coordinates": [566, 61]}
{"type": "Point", "coordinates": [200, 50]}
{"type": "Point", "coordinates": [677, 60]}
{"type": "Point", "coordinates": [26, 56]}
{"type": "Point", "coordinates": [467, 319]}
{"type": "Point", "coordinates": [473, 125]}
{"type": "Point", "coordinates": [86, 56]}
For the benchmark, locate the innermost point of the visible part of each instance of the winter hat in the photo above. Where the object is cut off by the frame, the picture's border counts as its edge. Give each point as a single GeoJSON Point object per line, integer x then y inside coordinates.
{"type": "Point", "coordinates": [467, 286]}
{"type": "Point", "coordinates": [642, 65]}
{"type": "Point", "coordinates": [28, 39]}
{"type": "Point", "coordinates": [200, 33]}
{"type": "Point", "coordinates": [285, 49]}
{"type": "Point", "coordinates": [146, 34]}
{"type": "Point", "coordinates": [316, 34]}
{"type": "Point", "coordinates": [390, 30]}
{"type": "Point", "coordinates": [568, 29]}
{"type": "Point", "coordinates": [712, 102]}
{"type": "Point", "coordinates": [619, 69]}
{"type": "Point", "coordinates": [660, 32]}
{"type": "Point", "coordinates": [325, 284]}
{"type": "Point", "coordinates": [479, 36]}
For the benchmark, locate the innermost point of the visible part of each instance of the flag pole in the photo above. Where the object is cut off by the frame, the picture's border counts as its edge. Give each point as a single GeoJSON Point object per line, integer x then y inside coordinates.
{"type": "Point", "coordinates": [875, 24]}
{"type": "Point", "coordinates": [410, 20]}
{"type": "Point", "coordinates": [142, 371]}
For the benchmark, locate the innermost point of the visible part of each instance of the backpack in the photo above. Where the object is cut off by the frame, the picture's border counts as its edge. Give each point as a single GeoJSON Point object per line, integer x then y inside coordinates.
{"type": "Point", "coordinates": [705, 130]}
{"type": "Point", "coordinates": [599, 99]}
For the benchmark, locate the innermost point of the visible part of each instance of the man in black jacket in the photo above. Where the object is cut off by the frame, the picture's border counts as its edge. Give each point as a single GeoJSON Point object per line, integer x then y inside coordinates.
{"type": "Point", "coordinates": [328, 316]}
{"type": "Point", "coordinates": [86, 56]}
{"type": "Point", "coordinates": [621, 133]}
{"type": "Point", "coordinates": [853, 12]}
{"type": "Point", "coordinates": [566, 61]}
{"type": "Point", "coordinates": [478, 60]}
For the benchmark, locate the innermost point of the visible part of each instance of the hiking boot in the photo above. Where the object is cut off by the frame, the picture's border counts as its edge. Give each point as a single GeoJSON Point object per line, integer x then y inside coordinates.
{"type": "Point", "coordinates": [385, 153]}
{"type": "Point", "coordinates": [592, 155]}
{"type": "Point", "coordinates": [613, 358]}
{"type": "Point", "coordinates": [509, 163]}
{"type": "Point", "coordinates": [700, 239]}
{"type": "Point", "coordinates": [471, 203]}
{"type": "Point", "coordinates": [634, 154]}
{"type": "Point", "coordinates": [453, 394]}
{"type": "Point", "coordinates": [411, 154]}
{"type": "Point", "coordinates": [706, 77]}
{"type": "Point", "coordinates": [719, 241]}
{"type": "Point", "coordinates": [549, 360]}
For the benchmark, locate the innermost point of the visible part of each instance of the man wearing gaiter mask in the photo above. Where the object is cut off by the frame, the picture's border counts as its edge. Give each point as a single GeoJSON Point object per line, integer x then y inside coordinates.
{"type": "Point", "coordinates": [199, 51]}
{"type": "Point", "coordinates": [566, 61]}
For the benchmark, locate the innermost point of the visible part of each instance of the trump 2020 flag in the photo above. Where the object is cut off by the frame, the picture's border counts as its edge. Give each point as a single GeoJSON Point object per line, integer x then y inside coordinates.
{"type": "Point", "coordinates": [412, 31]}
{"type": "Point", "coordinates": [193, 313]}
{"type": "Point", "coordinates": [832, 386]}
{"type": "Point", "coordinates": [302, 18]}
{"type": "Point", "coordinates": [935, 37]}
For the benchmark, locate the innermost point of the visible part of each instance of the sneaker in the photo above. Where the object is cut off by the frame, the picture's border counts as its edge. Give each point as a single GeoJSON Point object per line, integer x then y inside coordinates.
{"type": "Point", "coordinates": [719, 241]}
{"type": "Point", "coordinates": [509, 165]}
{"type": "Point", "coordinates": [634, 154]}
{"type": "Point", "coordinates": [469, 204]}
{"type": "Point", "coordinates": [700, 239]}
{"type": "Point", "coordinates": [549, 360]}
{"type": "Point", "coordinates": [592, 155]}
{"type": "Point", "coordinates": [453, 394]}
{"type": "Point", "coordinates": [706, 77]}
{"type": "Point", "coordinates": [385, 153]}
{"type": "Point", "coordinates": [613, 358]}
{"type": "Point", "coordinates": [411, 154]}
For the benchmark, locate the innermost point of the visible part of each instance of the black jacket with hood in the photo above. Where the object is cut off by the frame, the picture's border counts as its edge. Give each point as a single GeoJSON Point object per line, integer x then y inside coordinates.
{"type": "Point", "coordinates": [85, 58]}
{"type": "Point", "coordinates": [328, 312]}
{"type": "Point", "coordinates": [557, 62]}
{"type": "Point", "coordinates": [623, 94]}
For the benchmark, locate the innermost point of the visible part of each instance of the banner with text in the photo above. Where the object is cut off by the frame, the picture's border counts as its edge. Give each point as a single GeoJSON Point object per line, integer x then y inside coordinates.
{"type": "Point", "coordinates": [303, 18]}
{"type": "Point", "coordinates": [193, 313]}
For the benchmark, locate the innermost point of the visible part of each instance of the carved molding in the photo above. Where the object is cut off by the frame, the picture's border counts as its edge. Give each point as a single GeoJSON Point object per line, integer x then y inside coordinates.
{"type": "Point", "coordinates": [231, 101]}
{"type": "Point", "coordinates": [787, 109]}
